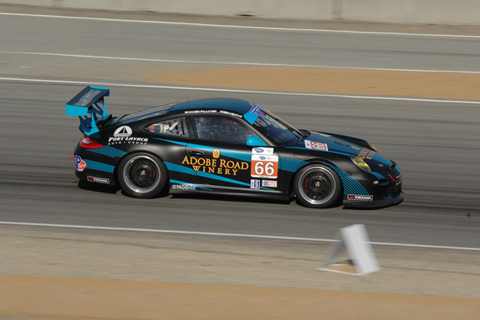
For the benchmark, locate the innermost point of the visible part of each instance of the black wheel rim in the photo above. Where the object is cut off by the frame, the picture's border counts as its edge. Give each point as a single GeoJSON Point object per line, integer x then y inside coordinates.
{"type": "Point", "coordinates": [317, 185]}
{"type": "Point", "coordinates": [142, 174]}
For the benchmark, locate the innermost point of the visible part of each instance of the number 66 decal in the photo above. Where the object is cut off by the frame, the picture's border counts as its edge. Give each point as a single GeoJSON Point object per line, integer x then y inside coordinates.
{"type": "Point", "coordinates": [264, 167]}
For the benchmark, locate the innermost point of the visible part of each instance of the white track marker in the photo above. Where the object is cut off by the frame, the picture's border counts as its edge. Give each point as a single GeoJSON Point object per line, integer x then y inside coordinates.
{"type": "Point", "coordinates": [234, 235]}
{"type": "Point", "coordinates": [191, 24]}
{"type": "Point", "coordinates": [354, 238]}
{"type": "Point", "coordinates": [282, 93]}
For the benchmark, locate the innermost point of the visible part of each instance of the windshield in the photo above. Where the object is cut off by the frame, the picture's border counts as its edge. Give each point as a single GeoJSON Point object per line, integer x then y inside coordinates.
{"type": "Point", "coordinates": [276, 129]}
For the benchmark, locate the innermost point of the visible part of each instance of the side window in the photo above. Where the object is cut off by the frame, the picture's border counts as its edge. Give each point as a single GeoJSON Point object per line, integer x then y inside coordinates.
{"type": "Point", "coordinates": [221, 128]}
{"type": "Point", "coordinates": [172, 127]}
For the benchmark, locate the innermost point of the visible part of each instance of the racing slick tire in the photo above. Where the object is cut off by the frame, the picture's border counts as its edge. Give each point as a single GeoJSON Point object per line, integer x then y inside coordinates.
{"type": "Point", "coordinates": [317, 186]}
{"type": "Point", "coordinates": [142, 175]}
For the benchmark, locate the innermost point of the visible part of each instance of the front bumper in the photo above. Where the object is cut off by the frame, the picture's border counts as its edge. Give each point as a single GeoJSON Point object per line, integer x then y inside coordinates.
{"type": "Point", "coordinates": [375, 203]}
{"type": "Point", "coordinates": [379, 190]}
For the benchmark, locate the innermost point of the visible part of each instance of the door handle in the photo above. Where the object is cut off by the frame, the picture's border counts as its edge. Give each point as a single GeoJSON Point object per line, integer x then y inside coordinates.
{"type": "Point", "coordinates": [197, 153]}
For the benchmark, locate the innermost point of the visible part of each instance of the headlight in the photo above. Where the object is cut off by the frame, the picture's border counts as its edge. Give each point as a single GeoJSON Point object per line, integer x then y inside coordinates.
{"type": "Point", "coordinates": [361, 164]}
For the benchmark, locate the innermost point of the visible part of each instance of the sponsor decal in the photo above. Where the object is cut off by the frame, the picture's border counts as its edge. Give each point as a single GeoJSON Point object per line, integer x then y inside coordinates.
{"type": "Point", "coordinates": [256, 109]}
{"type": "Point", "coordinates": [264, 151]}
{"type": "Point", "coordinates": [123, 135]}
{"type": "Point", "coordinates": [98, 180]}
{"type": "Point", "coordinates": [184, 187]}
{"type": "Point", "coordinates": [316, 145]}
{"type": "Point", "coordinates": [264, 167]}
{"type": "Point", "coordinates": [80, 164]}
{"type": "Point", "coordinates": [201, 111]}
{"type": "Point", "coordinates": [87, 98]}
{"type": "Point", "coordinates": [360, 197]}
{"type": "Point", "coordinates": [231, 113]}
{"type": "Point", "coordinates": [254, 184]}
{"type": "Point", "coordinates": [129, 140]}
{"type": "Point", "coordinates": [269, 183]}
{"type": "Point", "coordinates": [216, 166]}
{"type": "Point", "coordinates": [216, 153]}
{"type": "Point", "coordinates": [123, 131]}
{"type": "Point", "coordinates": [366, 153]}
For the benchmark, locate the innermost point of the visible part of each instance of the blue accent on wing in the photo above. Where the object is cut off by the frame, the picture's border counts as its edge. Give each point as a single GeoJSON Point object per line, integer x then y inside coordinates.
{"type": "Point", "coordinates": [89, 106]}
{"type": "Point", "coordinates": [378, 175]}
{"type": "Point", "coordinates": [291, 165]}
{"type": "Point", "coordinates": [94, 165]}
{"type": "Point", "coordinates": [109, 152]}
{"type": "Point", "coordinates": [190, 184]}
{"type": "Point", "coordinates": [350, 184]}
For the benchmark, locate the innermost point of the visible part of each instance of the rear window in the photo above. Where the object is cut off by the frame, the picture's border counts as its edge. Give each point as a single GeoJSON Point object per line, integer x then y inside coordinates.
{"type": "Point", "coordinates": [157, 111]}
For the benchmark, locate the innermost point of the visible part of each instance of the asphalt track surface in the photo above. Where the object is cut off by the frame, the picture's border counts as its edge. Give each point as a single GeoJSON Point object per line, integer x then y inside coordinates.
{"type": "Point", "coordinates": [435, 144]}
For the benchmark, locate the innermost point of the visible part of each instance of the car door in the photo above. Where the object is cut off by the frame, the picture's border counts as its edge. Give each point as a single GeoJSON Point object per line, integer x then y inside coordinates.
{"type": "Point", "coordinates": [171, 136]}
{"type": "Point", "coordinates": [221, 157]}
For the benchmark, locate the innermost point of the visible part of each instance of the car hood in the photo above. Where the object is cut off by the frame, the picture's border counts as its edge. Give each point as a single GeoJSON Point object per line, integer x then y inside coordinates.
{"type": "Point", "coordinates": [350, 146]}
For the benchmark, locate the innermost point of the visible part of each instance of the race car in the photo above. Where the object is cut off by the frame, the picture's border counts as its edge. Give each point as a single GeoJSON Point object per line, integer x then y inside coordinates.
{"type": "Point", "coordinates": [227, 147]}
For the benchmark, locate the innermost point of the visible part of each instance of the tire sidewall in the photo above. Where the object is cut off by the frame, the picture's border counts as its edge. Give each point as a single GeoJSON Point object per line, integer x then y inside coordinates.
{"type": "Point", "coordinates": [162, 171]}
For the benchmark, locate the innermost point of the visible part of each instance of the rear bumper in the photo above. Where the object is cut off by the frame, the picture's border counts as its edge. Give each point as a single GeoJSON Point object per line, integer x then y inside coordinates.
{"type": "Point", "coordinates": [94, 168]}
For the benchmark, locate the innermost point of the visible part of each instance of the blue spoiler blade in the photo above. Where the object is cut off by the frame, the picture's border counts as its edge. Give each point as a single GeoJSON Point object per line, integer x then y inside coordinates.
{"type": "Point", "coordinates": [89, 106]}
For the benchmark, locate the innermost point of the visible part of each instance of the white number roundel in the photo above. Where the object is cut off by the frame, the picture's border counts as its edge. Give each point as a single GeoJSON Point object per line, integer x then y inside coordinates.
{"type": "Point", "coordinates": [264, 167]}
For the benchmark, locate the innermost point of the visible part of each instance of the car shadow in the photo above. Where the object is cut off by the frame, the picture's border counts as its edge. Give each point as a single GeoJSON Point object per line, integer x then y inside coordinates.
{"type": "Point", "coordinates": [84, 185]}
{"type": "Point", "coordinates": [228, 198]}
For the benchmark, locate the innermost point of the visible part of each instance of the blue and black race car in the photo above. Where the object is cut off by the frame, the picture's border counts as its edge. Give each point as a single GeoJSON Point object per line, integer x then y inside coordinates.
{"type": "Point", "coordinates": [229, 147]}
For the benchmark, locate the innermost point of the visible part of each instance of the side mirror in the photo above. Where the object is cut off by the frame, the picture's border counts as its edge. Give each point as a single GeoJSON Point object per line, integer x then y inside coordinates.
{"type": "Point", "coordinates": [255, 141]}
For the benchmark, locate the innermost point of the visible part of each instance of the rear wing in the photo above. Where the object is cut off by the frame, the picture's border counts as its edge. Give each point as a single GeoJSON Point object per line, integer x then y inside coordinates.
{"type": "Point", "coordinates": [89, 106]}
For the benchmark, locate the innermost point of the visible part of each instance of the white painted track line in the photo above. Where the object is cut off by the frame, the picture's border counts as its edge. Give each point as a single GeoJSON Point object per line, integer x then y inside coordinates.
{"type": "Point", "coordinates": [241, 27]}
{"type": "Point", "coordinates": [235, 235]}
{"type": "Point", "coordinates": [256, 64]}
{"type": "Point", "coordinates": [306, 94]}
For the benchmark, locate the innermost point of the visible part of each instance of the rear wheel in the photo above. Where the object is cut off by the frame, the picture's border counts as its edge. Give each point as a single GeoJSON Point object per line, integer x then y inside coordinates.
{"type": "Point", "coordinates": [317, 186]}
{"type": "Point", "coordinates": [142, 175]}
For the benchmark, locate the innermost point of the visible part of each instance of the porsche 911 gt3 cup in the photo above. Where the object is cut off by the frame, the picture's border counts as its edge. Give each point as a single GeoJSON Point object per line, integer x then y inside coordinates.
{"type": "Point", "coordinates": [229, 147]}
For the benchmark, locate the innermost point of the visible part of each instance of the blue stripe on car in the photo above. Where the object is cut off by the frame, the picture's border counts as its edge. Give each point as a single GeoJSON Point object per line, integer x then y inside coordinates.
{"type": "Point", "coordinates": [291, 165]}
{"type": "Point", "coordinates": [378, 175]}
{"type": "Point", "coordinates": [350, 184]}
{"type": "Point", "coordinates": [94, 165]}
{"type": "Point", "coordinates": [182, 169]}
{"type": "Point", "coordinates": [109, 152]}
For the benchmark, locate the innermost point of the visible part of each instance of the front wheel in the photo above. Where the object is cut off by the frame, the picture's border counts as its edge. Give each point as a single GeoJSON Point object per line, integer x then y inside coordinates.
{"type": "Point", "coordinates": [142, 175]}
{"type": "Point", "coordinates": [317, 186]}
